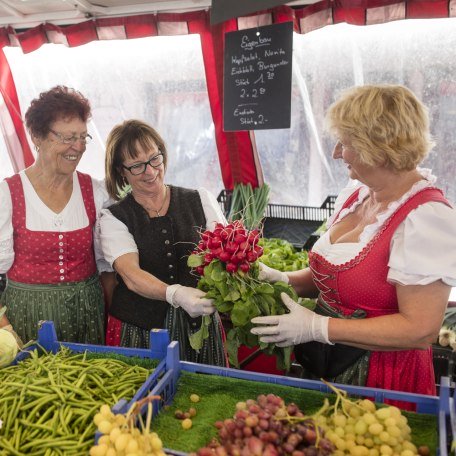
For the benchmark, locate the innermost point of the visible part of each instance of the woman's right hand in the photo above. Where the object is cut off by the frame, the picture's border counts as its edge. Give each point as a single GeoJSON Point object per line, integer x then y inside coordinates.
{"type": "Point", "coordinates": [268, 274]}
{"type": "Point", "coordinates": [190, 299]}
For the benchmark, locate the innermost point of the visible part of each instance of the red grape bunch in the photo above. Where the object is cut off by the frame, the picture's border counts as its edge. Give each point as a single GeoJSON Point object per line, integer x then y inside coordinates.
{"type": "Point", "coordinates": [263, 428]}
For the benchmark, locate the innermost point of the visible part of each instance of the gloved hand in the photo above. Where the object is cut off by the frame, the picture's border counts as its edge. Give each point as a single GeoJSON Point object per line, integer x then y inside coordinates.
{"type": "Point", "coordinates": [299, 326]}
{"type": "Point", "coordinates": [190, 299]}
{"type": "Point", "coordinates": [271, 275]}
{"type": "Point", "coordinates": [10, 329]}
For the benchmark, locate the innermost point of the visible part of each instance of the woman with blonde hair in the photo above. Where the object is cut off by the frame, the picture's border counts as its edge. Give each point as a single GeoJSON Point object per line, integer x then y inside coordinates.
{"type": "Point", "coordinates": [384, 269]}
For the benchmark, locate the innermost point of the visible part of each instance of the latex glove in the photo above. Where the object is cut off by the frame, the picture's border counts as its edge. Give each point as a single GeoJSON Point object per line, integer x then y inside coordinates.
{"type": "Point", "coordinates": [190, 299]}
{"type": "Point", "coordinates": [10, 329]}
{"type": "Point", "coordinates": [268, 274]}
{"type": "Point", "coordinates": [297, 327]}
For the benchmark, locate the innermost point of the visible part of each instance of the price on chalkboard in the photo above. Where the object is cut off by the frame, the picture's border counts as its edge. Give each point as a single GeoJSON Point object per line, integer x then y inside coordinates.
{"type": "Point", "coordinates": [257, 78]}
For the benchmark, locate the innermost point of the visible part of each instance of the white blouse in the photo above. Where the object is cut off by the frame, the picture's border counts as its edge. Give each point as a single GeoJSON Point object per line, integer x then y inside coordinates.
{"type": "Point", "coordinates": [116, 240]}
{"type": "Point", "coordinates": [38, 217]}
{"type": "Point", "coordinates": [422, 248]}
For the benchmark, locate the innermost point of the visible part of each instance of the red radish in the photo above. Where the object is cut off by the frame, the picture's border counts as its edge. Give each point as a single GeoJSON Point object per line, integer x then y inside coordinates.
{"type": "Point", "coordinates": [244, 267]}
{"type": "Point", "coordinates": [200, 270]}
{"type": "Point", "coordinates": [231, 267]}
{"type": "Point", "coordinates": [224, 256]}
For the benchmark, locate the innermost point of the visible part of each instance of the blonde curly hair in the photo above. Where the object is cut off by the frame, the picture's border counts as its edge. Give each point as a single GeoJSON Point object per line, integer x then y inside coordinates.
{"type": "Point", "coordinates": [386, 125]}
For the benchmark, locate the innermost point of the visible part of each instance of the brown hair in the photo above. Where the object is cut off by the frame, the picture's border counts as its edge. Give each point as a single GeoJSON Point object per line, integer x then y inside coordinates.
{"type": "Point", "coordinates": [386, 124]}
{"type": "Point", "coordinates": [57, 103]}
{"type": "Point", "coordinates": [122, 143]}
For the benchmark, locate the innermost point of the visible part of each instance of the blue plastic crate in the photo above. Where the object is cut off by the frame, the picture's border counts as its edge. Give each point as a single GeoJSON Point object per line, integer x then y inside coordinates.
{"type": "Point", "coordinates": [439, 406]}
{"type": "Point", "coordinates": [159, 340]}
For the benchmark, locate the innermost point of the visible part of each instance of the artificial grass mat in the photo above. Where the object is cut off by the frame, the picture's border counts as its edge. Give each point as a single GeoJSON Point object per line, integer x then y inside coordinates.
{"type": "Point", "coordinates": [218, 398]}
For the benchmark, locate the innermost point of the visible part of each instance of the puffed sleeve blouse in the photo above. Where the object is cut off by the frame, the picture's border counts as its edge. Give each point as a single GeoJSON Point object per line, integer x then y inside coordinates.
{"type": "Point", "coordinates": [423, 247]}
{"type": "Point", "coordinates": [40, 218]}
{"type": "Point", "coordinates": [116, 240]}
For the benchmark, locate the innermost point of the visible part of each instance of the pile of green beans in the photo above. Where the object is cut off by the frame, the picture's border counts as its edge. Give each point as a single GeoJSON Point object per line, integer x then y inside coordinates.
{"type": "Point", "coordinates": [47, 402]}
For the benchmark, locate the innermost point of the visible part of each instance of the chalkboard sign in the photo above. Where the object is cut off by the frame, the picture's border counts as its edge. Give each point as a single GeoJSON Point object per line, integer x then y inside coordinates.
{"type": "Point", "coordinates": [257, 78]}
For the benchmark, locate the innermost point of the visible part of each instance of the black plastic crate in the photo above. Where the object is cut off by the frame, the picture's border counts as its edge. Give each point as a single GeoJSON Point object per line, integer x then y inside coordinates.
{"type": "Point", "coordinates": [295, 224]}
{"type": "Point", "coordinates": [444, 360]}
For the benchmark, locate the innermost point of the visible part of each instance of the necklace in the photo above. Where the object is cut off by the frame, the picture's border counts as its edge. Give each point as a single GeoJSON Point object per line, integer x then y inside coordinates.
{"type": "Point", "coordinates": [157, 211]}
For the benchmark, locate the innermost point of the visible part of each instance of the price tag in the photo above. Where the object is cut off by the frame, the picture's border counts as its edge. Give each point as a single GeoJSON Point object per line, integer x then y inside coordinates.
{"type": "Point", "coordinates": [257, 78]}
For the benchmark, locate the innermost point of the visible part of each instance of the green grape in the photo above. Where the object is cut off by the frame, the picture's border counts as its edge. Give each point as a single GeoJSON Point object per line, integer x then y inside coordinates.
{"type": "Point", "coordinates": [340, 420]}
{"type": "Point", "coordinates": [390, 421]}
{"type": "Point", "coordinates": [360, 427]}
{"type": "Point", "coordinates": [359, 450]}
{"type": "Point", "coordinates": [383, 413]}
{"type": "Point", "coordinates": [375, 428]}
{"type": "Point", "coordinates": [407, 453]}
{"type": "Point", "coordinates": [368, 442]}
{"type": "Point", "coordinates": [339, 431]}
{"type": "Point", "coordinates": [369, 418]}
{"type": "Point", "coordinates": [340, 444]}
{"type": "Point", "coordinates": [386, 450]}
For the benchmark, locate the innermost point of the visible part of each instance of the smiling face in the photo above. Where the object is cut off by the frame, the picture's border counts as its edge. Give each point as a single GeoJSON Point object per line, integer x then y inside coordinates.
{"type": "Point", "coordinates": [358, 170]}
{"type": "Point", "coordinates": [56, 156]}
{"type": "Point", "coordinates": [149, 182]}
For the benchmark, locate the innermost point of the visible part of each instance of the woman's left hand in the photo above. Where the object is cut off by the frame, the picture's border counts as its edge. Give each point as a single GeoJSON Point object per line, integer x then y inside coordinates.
{"type": "Point", "coordinates": [299, 326]}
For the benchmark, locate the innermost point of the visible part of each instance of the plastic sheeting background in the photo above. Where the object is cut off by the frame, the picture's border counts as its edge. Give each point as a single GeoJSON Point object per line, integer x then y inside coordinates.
{"type": "Point", "coordinates": [297, 162]}
{"type": "Point", "coordinates": [159, 80]}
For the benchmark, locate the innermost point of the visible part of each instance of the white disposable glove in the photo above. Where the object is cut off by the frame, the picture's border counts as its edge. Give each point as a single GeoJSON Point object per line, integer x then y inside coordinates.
{"type": "Point", "coordinates": [297, 327]}
{"type": "Point", "coordinates": [268, 274]}
{"type": "Point", "coordinates": [190, 299]}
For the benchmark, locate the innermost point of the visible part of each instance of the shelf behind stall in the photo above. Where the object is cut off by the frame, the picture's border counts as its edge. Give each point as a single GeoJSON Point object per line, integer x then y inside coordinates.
{"type": "Point", "coordinates": [295, 224]}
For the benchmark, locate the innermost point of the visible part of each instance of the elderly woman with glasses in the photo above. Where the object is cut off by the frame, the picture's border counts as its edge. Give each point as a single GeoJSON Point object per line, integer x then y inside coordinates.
{"type": "Point", "coordinates": [147, 236]}
{"type": "Point", "coordinates": [46, 224]}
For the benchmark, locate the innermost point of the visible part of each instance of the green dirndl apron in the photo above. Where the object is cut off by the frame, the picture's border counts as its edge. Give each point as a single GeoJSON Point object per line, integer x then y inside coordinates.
{"type": "Point", "coordinates": [76, 308]}
{"type": "Point", "coordinates": [176, 322]}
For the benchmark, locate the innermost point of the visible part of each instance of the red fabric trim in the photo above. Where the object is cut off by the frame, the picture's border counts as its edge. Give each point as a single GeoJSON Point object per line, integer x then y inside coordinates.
{"type": "Point", "coordinates": [427, 9]}
{"type": "Point", "coordinates": [354, 11]}
{"type": "Point", "coordinates": [234, 148]}
{"type": "Point", "coordinates": [82, 33]}
{"type": "Point", "coordinates": [141, 26]}
{"type": "Point", "coordinates": [32, 39]}
{"type": "Point", "coordinates": [8, 90]}
{"type": "Point", "coordinates": [354, 16]}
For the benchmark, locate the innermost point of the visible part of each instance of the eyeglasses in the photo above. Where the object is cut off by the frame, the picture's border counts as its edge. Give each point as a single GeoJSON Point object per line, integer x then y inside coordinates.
{"type": "Point", "coordinates": [140, 168]}
{"type": "Point", "coordinates": [72, 139]}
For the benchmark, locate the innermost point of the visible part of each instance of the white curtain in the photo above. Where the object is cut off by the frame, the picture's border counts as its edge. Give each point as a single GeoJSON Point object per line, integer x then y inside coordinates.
{"type": "Point", "coordinates": [416, 53]}
{"type": "Point", "coordinates": [158, 79]}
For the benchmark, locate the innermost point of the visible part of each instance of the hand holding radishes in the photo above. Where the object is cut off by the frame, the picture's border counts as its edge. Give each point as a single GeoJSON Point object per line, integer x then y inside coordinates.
{"type": "Point", "coordinates": [271, 275]}
{"type": "Point", "coordinates": [226, 259]}
{"type": "Point", "coordinates": [190, 299]}
{"type": "Point", "coordinates": [297, 327]}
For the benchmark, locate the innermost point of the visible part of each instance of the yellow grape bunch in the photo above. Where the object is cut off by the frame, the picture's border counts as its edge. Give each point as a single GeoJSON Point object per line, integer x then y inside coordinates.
{"type": "Point", "coordinates": [121, 437]}
{"type": "Point", "coordinates": [359, 428]}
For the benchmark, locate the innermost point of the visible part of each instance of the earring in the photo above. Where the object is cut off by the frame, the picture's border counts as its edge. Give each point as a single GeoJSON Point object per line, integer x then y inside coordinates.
{"type": "Point", "coordinates": [37, 148]}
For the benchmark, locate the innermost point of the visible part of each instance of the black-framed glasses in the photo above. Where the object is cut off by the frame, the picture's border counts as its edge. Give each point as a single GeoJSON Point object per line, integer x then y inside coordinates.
{"type": "Point", "coordinates": [140, 168]}
{"type": "Point", "coordinates": [71, 139]}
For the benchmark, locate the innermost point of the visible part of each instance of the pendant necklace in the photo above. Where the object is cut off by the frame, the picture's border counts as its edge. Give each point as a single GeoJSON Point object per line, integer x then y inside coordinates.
{"type": "Point", "coordinates": [163, 204]}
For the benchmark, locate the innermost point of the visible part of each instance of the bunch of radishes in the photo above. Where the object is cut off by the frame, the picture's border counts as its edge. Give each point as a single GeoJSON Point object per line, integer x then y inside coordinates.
{"type": "Point", "coordinates": [235, 246]}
